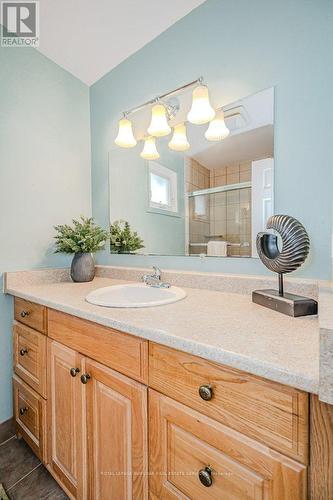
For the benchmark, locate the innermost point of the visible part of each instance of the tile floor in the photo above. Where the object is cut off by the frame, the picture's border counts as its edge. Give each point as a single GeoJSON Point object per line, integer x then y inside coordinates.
{"type": "Point", "coordinates": [21, 472]}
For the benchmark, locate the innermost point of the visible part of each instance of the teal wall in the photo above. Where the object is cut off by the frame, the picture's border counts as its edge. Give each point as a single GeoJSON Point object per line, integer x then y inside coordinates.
{"type": "Point", "coordinates": [240, 47]}
{"type": "Point", "coordinates": [44, 172]}
{"type": "Point", "coordinates": [161, 233]}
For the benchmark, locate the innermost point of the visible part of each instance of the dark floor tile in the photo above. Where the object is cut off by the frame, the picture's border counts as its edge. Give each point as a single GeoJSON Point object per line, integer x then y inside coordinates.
{"type": "Point", "coordinates": [16, 460]}
{"type": "Point", "coordinates": [7, 430]}
{"type": "Point", "coordinates": [39, 485]}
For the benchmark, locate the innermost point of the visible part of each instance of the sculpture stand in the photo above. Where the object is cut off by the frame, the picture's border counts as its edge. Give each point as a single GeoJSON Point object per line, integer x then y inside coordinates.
{"type": "Point", "coordinates": [285, 303]}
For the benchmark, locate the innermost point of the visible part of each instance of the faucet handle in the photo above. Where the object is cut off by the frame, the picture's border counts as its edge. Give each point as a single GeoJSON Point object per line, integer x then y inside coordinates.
{"type": "Point", "coordinates": [157, 272]}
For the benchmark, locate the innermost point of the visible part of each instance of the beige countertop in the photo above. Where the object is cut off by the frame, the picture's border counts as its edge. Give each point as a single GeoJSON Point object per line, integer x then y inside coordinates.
{"type": "Point", "coordinates": [223, 327]}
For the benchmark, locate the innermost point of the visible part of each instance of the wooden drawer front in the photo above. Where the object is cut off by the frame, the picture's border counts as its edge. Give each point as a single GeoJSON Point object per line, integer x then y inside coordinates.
{"type": "Point", "coordinates": [30, 314]}
{"type": "Point", "coordinates": [30, 357]}
{"type": "Point", "coordinates": [184, 442]}
{"type": "Point", "coordinates": [123, 352]}
{"type": "Point", "coordinates": [30, 416]}
{"type": "Point", "coordinates": [275, 414]}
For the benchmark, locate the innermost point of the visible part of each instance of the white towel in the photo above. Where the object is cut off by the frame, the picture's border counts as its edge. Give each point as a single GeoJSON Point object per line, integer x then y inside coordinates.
{"type": "Point", "coordinates": [217, 248]}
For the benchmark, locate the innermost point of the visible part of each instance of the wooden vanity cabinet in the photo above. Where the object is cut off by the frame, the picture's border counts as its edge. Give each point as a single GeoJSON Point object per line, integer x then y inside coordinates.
{"type": "Point", "coordinates": [65, 418]}
{"type": "Point", "coordinates": [193, 456]}
{"type": "Point", "coordinates": [81, 402]}
{"type": "Point", "coordinates": [97, 428]}
{"type": "Point", "coordinates": [116, 430]}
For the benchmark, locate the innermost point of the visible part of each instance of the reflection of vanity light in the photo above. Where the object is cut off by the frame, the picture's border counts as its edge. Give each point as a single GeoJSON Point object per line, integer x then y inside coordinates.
{"type": "Point", "coordinates": [217, 129]}
{"type": "Point", "coordinates": [125, 137]}
{"type": "Point", "coordinates": [201, 110]}
{"type": "Point", "coordinates": [179, 140]}
{"type": "Point", "coordinates": [149, 151]}
{"type": "Point", "coordinates": [159, 124]}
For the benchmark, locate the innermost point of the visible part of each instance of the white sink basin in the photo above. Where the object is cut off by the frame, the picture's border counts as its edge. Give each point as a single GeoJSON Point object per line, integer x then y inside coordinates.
{"type": "Point", "coordinates": [134, 295]}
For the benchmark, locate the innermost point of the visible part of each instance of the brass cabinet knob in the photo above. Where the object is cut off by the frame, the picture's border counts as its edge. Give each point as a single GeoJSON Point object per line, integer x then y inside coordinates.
{"type": "Point", "coordinates": [74, 371]}
{"type": "Point", "coordinates": [23, 351]}
{"type": "Point", "coordinates": [24, 314]}
{"type": "Point", "coordinates": [23, 410]}
{"type": "Point", "coordinates": [205, 476]}
{"type": "Point", "coordinates": [85, 378]}
{"type": "Point", "coordinates": [206, 392]}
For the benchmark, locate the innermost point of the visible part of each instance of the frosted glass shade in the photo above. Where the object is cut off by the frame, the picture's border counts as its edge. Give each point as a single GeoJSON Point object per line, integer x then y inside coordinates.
{"type": "Point", "coordinates": [217, 129]}
{"type": "Point", "coordinates": [201, 111]}
{"type": "Point", "coordinates": [159, 124]}
{"type": "Point", "coordinates": [125, 137]}
{"type": "Point", "coordinates": [179, 140]}
{"type": "Point", "coordinates": [149, 151]}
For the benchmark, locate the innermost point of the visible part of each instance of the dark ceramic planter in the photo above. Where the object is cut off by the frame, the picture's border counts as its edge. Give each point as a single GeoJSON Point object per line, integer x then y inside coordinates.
{"type": "Point", "coordinates": [83, 267]}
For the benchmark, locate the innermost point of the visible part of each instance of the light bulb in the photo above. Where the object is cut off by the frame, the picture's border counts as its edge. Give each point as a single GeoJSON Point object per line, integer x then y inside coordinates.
{"type": "Point", "coordinates": [149, 151]}
{"type": "Point", "coordinates": [179, 140]}
{"type": "Point", "coordinates": [125, 137]}
{"type": "Point", "coordinates": [159, 124]}
{"type": "Point", "coordinates": [201, 111]}
{"type": "Point", "coordinates": [217, 129]}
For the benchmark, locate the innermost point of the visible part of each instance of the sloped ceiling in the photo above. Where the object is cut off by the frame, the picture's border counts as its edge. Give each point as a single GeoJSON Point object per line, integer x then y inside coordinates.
{"type": "Point", "coordinates": [90, 37]}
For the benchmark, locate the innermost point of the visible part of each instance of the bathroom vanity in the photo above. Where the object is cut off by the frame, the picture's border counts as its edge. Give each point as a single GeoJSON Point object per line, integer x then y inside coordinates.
{"type": "Point", "coordinates": [118, 415]}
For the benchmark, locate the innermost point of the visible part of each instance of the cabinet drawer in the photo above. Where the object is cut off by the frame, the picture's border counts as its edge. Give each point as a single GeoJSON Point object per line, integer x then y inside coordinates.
{"type": "Point", "coordinates": [125, 353]}
{"type": "Point", "coordinates": [30, 357]}
{"type": "Point", "coordinates": [272, 413]}
{"type": "Point", "coordinates": [193, 456]}
{"type": "Point", "coordinates": [30, 314]}
{"type": "Point", "coordinates": [30, 416]}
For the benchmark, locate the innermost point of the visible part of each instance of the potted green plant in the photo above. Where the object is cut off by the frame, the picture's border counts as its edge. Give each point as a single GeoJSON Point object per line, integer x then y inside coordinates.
{"type": "Point", "coordinates": [82, 239]}
{"type": "Point", "coordinates": [123, 239]}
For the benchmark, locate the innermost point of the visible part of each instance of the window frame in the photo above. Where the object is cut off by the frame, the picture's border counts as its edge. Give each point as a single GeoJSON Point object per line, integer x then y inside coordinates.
{"type": "Point", "coordinates": [172, 177]}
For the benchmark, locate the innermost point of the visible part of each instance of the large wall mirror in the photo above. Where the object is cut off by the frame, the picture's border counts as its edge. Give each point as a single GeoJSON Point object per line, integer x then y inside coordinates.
{"type": "Point", "coordinates": [211, 200]}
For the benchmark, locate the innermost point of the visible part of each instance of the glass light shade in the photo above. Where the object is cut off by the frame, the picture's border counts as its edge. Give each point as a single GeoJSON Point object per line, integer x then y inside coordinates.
{"type": "Point", "coordinates": [149, 151]}
{"type": "Point", "coordinates": [201, 111]}
{"type": "Point", "coordinates": [125, 137]}
{"type": "Point", "coordinates": [159, 124]}
{"type": "Point", "coordinates": [179, 140]}
{"type": "Point", "coordinates": [217, 129]}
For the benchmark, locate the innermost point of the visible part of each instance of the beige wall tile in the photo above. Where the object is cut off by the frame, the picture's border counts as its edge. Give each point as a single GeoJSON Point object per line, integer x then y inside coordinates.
{"type": "Point", "coordinates": [245, 176]}
{"type": "Point", "coordinates": [233, 169]}
{"type": "Point", "coordinates": [245, 195]}
{"type": "Point", "coordinates": [233, 196]}
{"type": "Point", "coordinates": [245, 165]}
{"type": "Point", "coordinates": [233, 178]}
{"type": "Point", "coordinates": [233, 212]}
{"type": "Point", "coordinates": [232, 227]}
{"type": "Point", "coordinates": [220, 180]}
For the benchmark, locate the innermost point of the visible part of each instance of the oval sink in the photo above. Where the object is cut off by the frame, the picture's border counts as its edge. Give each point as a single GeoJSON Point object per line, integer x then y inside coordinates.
{"type": "Point", "coordinates": [134, 295]}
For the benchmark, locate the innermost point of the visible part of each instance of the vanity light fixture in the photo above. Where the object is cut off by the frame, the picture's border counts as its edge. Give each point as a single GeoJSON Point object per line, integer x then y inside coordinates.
{"type": "Point", "coordinates": [164, 108]}
{"type": "Point", "coordinates": [179, 140]}
{"type": "Point", "coordinates": [149, 151]}
{"type": "Point", "coordinates": [217, 130]}
{"type": "Point", "coordinates": [125, 137]}
{"type": "Point", "coordinates": [159, 126]}
{"type": "Point", "coordinates": [201, 110]}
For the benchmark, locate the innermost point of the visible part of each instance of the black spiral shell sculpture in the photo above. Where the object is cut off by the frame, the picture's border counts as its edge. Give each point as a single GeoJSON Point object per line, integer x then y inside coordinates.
{"type": "Point", "coordinates": [295, 244]}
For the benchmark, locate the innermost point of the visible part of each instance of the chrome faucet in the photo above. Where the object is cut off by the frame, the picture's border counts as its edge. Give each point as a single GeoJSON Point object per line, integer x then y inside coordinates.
{"type": "Point", "coordinates": [154, 279]}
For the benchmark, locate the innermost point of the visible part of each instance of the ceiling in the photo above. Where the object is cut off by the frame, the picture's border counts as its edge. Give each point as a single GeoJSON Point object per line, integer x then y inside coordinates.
{"type": "Point", "coordinates": [88, 38]}
{"type": "Point", "coordinates": [251, 145]}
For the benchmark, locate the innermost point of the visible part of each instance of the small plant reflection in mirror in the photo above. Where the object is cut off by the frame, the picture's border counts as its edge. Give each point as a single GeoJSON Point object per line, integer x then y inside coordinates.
{"type": "Point", "coordinates": [123, 239]}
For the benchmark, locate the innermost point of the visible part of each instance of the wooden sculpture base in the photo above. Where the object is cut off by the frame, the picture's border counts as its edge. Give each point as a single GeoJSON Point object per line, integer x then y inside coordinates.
{"type": "Point", "coordinates": [288, 303]}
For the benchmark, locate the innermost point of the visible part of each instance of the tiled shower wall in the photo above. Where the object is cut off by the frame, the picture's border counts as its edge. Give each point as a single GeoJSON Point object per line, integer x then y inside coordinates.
{"type": "Point", "coordinates": [228, 214]}
{"type": "Point", "coordinates": [197, 177]}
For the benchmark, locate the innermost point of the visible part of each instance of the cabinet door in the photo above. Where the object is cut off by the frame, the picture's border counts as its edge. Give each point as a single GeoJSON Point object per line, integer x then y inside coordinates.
{"type": "Point", "coordinates": [117, 435]}
{"type": "Point", "coordinates": [65, 417]}
{"type": "Point", "coordinates": [195, 457]}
